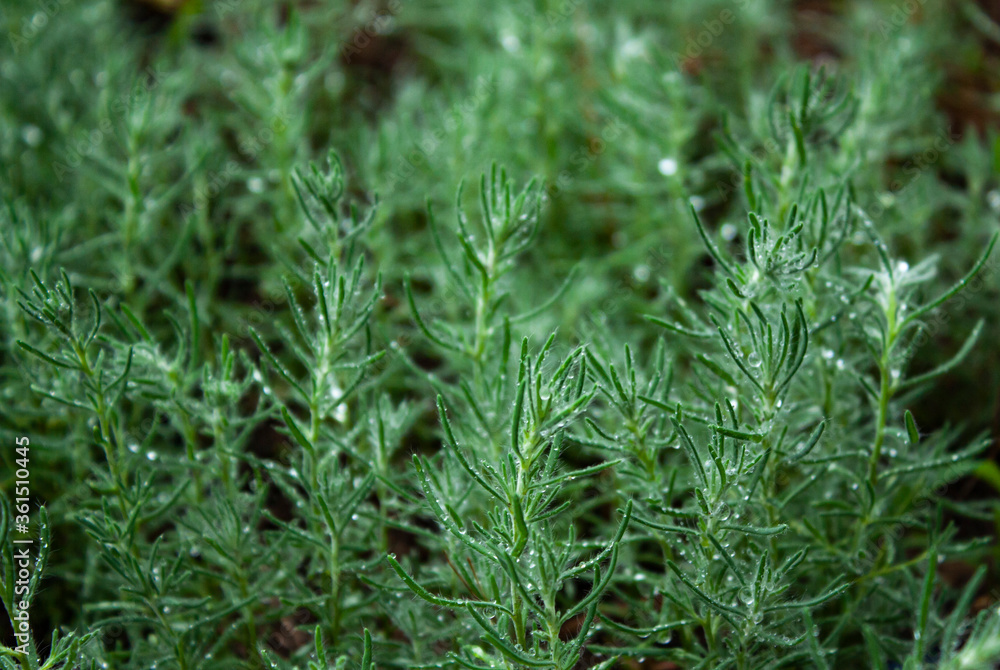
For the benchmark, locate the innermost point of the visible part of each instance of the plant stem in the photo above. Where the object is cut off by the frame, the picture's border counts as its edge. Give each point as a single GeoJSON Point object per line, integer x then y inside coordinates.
{"type": "Point", "coordinates": [334, 585]}
{"type": "Point", "coordinates": [885, 387]}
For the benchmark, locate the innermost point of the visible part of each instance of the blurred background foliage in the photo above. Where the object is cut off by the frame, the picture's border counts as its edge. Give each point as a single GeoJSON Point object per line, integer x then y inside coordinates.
{"type": "Point", "coordinates": [198, 97]}
{"type": "Point", "coordinates": [161, 136]}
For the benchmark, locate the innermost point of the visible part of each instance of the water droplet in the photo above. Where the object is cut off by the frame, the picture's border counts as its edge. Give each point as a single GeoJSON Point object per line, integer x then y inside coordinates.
{"type": "Point", "coordinates": [32, 135]}
{"type": "Point", "coordinates": [728, 232]}
{"type": "Point", "coordinates": [510, 42]}
{"type": "Point", "coordinates": [667, 167]}
{"type": "Point", "coordinates": [151, 455]}
{"type": "Point", "coordinates": [753, 360]}
{"type": "Point", "coordinates": [993, 200]}
{"type": "Point", "coordinates": [633, 48]}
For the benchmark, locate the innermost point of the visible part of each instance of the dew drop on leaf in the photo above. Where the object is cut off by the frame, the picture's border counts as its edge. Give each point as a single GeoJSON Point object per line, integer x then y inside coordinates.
{"type": "Point", "coordinates": [667, 167]}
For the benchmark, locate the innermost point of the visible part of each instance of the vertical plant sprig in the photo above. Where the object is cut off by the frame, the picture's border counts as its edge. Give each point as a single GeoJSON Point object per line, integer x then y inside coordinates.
{"type": "Point", "coordinates": [765, 313]}
{"type": "Point", "coordinates": [387, 428]}
{"type": "Point", "coordinates": [327, 348]}
{"type": "Point", "coordinates": [805, 112]}
{"type": "Point", "coordinates": [726, 571]}
{"type": "Point", "coordinates": [144, 183]}
{"type": "Point", "coordinates": [320, 194]}
{"type": "Point", "coordinates": [26, 243]}
{"type": "Point", "coordinates": [331, 352]}
{"type": "Point", "coordinates": [18, 594]}
{"type": "Point", "coordinates": [757, 321]}
{"type": "Point", "coordinates": [157, 587]}
{"type": "Point", "coordinates": [896, 331]}
{"type": "Point", "coordinates": [272, 80]}
{"type": "Point", "coordinates": [517, 569]}
{"type": "Point", "coordinates": [334, 525]}
{"type": "Point", "coordinates": [96, 374]}
{"type": "Point", "coordinates": [634, 406]}
{"type": "Point", "coordinates": [325, 343]}
{"type": "Point", "coordinates": [200, 396]}
{"type": "Point", "coordinates": [479, 283]}
{"type": "Point", "coordinates": [118, 380]}
{"type": "Point", "coordinates": [225, 383]}
{"type": "Point", "coordinates": [509, 224]}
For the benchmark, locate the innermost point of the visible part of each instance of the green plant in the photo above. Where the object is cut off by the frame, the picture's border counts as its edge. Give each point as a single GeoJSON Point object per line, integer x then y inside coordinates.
{"type": "Point", "coordinates": [696, 378]}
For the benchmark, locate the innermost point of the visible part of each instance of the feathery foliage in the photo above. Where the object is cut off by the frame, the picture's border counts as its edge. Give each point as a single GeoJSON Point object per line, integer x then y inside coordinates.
{"type": "Point", "coordinates": [542, 335]}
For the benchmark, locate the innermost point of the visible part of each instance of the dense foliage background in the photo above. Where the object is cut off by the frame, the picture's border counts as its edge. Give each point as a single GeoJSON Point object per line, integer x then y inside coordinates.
{"type": "Point", "coordinates": [282, 386]}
